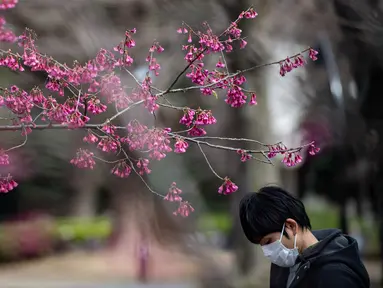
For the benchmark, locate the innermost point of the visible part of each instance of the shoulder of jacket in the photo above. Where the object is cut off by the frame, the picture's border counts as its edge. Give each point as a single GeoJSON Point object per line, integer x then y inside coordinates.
{"type": "Point", "coordinates": [336, 269]}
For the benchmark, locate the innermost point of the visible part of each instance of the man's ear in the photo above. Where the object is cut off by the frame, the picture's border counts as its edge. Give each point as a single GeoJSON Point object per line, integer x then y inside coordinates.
{"type": "Point", "coordinates": [292, 225]}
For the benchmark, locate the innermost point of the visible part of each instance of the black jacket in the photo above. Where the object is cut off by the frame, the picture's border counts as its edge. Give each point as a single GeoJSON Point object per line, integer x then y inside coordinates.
{"type": "Point", "coordinates": [333, 262]}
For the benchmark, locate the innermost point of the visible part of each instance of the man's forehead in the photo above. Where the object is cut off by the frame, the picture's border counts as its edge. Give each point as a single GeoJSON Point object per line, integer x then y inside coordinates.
{"type": "Point", "coordinates": [260, 239]}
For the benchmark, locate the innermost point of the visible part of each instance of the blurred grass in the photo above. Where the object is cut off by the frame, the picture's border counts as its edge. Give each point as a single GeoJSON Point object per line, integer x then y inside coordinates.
{"type": "Point", "coordinates": [221, 221]}
{"type": "Point", "coordinates": [82, 229]}
{"type": "Point", "coordinates": [320, 219]}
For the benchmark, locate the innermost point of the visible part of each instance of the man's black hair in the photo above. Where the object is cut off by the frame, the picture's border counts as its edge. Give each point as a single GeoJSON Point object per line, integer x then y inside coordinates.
{"type": "Point", "coordinates": [267, 210]}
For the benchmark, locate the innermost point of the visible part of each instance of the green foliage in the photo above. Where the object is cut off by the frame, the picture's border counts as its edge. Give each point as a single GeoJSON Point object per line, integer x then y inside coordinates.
{"type": "Point", "coordinates": [323, 219]}
{"type": "Point", "coordinates": [328, 218]}
{"type": "Point", "coordinates": [214, 222]}
{"type": "Point", "coordinates": [77, 229]}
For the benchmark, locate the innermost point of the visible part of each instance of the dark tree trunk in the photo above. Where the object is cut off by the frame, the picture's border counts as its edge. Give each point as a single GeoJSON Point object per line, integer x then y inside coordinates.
{"type": "Point", "coordinates": [366, 66]}
{"type": "Point", "coordinates": [343, 223]}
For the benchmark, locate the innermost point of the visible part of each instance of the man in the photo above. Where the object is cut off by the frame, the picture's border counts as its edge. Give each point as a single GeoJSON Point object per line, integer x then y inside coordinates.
{"type": "Point", "coordinates": [300, 257]}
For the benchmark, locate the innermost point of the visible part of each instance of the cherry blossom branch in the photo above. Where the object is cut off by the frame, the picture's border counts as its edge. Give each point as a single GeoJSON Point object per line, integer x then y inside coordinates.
{"type": "Point", "coordinates": [47, 126]}
{"type": "Point", "coordinates": [203, 51]}
{"type": "Point", "coordinates": [222, 147]}
{"type": "Point", "coordinates": [271, 63]}
{"type": "Point", "coordinates": [134, 169]}
{"type": "Point", "coordinates": [97, 85]}
{"type": "Point", "coordinates": [231, 75]}
{"type": "Point", "coordinates": [232, 139]}
{"type": "Point", "coordinates": [195, 140]}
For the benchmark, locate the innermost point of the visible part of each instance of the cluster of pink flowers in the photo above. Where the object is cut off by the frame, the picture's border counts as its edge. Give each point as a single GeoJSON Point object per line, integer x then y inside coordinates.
{"type": "Point", "coordinates": [122, 169]}
{"type": "Point", "coordinates": [313, 54]}
{"type": "Point", "coordinates": [291, 157]}
{"type": "Point", "coordinates": [227, 187]}
{"type": "Point", "coordinates": [4, 158]}
{"type": "Point", "coordinates": [290, 63]}
{"type": "Point", "coordinates": [8, 4]}
{"type": "Point", "coordinates": [245, 156]}
{"type": "Point", "coordinates": [313, 150]}
{"type": "Point", "coordinates": [184, 208]}
{"type": "Point", "coordinates": [6, 35]}
{"type": "Point", "coordinates": [180, 146]}
{"type": "Point", "coordinates": [7, 184]}
{"type": "Point", "coordinates": [89, 89]}
{"type": "Point", "coordinates": [194, 119]}
{"type": "Point", "coordinates": [84, 159]}
{"type": "Point", "coordinates": [217, 79]}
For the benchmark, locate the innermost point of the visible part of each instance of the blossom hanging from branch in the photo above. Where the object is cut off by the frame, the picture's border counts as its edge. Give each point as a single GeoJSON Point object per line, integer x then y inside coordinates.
{"type": "Point", "coordinates": [79, 92]}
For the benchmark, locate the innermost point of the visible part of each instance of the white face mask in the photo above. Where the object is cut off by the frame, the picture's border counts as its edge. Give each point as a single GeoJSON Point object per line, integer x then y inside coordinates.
{"type": "Point", "coordinates": [279, 254]}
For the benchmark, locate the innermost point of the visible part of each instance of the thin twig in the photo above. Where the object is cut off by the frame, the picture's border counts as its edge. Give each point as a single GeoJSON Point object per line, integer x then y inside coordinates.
{"type": "Point", "coordinates": [208, 163]}
{"type": "Point", "coordinates": [20, 145]}
{"type": "Point", "coordinates": [171, 106]}
{"type": "Point", "coordinates": [231, 139]}
{"type": "Point", "coordinates": [124, 110]}
{"type": "Point", "coordinates": [106, 161]}
{"type": "Point", "coordinates": [183, 71]}
{"type": "Point", "coordinates": [225, 62]}
{"type": "Point", "coordinates": [142, 178]}
{"type": "Point", "coordinates": [78, 99]}
{"type": "Point", "coordinates": [268, 160]}
{"type": "Point", "coordinates": [134, 77]}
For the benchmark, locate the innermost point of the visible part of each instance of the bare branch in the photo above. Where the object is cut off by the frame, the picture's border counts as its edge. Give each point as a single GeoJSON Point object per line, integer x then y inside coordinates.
{"type": "Point", "coordinates": [208, 162]}
{"type": "Point", "coordinates": [20, 145]}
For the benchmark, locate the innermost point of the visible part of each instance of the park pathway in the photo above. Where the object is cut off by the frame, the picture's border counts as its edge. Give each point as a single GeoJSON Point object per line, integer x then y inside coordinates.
{"type": "Point", "coordinates": [60, 272]}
